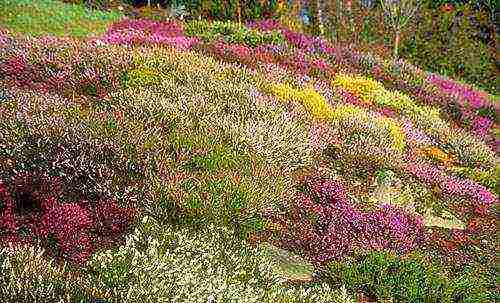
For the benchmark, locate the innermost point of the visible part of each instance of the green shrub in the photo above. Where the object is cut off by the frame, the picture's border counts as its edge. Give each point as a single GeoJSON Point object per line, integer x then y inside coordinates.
{"type": "Point", "coordinates": [447, 43]}
{"type": "Point", "coordinates": [409, 280]}
{"type": "Point", "coordinates": [231, 32]}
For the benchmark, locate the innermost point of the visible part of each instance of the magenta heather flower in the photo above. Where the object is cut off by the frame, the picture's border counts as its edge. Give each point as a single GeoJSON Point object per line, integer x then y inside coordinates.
{"type": "Point", "coordinates": [328, 226]}
{"type": "Point", "coordinates": [415, 135]}
{"type": "Point", "coordinates": [468, 99]}
{"type": "Point", "coordinates": [266, 25]}
{"type": "Point", "coordinates": [68, 230]}
{"type": "Point", "coordinates": [138, 32]}
{"type": "Point", "coordinates": [481, 125]}
{"type": "Point", "coordinates": [452, 186]}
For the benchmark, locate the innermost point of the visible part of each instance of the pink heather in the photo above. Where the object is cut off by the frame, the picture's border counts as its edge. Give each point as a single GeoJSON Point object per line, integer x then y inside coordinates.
{"type": "Point", "coordinates": [480, 197]}
{"type": "Point", "coordinates": [342, 227]}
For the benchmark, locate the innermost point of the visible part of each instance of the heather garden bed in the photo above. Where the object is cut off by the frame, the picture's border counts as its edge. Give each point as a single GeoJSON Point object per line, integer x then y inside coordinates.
{"type": "Point", "coordinates": [182, 161]}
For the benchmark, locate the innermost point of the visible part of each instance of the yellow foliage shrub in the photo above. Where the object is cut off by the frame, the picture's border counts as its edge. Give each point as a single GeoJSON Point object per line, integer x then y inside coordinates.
{"type": "Point", "coordinates": [314, 103]}
{"type": "Point", "coordinates": [352, 115]}
{"type": "Point", "coordinates": [366, 89]}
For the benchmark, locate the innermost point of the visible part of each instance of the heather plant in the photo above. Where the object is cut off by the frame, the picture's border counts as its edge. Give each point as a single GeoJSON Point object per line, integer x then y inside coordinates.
{"type": "Point", "coordinates": [31, 213]}
{"type": "Point", "coordinates": [328, 226]}
{"type": "Point", "coordinates": [388, 277]}
{"type": "Point", "coordinates": [401, 76]}
{"type": "Point", "coordinates": [190, 265]}
{"type": "Point", "coordinates": [62, 66]}
{"type": "Point", "coordinates": [213, 112]}
{"type": "Point", "coordinates": [147, 32]}
{"type": "Point", "coordinates": [427, 120]}
{"type": "Point", "coordinates": [355, 122]}
{"type": "Point", "coordinates": [232, 32]}
{"type": "Point", "coordinates": [28, 276]}
{"type": "Point", "coordinates": [479, 196]}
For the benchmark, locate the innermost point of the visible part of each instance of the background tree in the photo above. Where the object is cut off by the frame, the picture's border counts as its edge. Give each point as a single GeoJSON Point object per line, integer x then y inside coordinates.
{"type": "Point", "coordinates": [397, 14]}
{"type": "Point", "coordinates": [316, 8]}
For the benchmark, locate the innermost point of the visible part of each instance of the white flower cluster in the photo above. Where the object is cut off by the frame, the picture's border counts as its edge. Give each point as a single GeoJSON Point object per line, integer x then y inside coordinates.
{"type": "Point", "coordinates": [171, 264]}
{"type": "Point", "coordinates": [27, 276]}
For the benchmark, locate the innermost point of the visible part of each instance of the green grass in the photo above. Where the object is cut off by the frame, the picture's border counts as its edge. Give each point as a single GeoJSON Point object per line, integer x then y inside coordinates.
{"type": "Point", "coordinates": [50, 17]}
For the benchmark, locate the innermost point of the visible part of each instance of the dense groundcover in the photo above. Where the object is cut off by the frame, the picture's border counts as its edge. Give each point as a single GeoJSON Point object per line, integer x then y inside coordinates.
{"type": "Point", "coordinates": [158, 159]}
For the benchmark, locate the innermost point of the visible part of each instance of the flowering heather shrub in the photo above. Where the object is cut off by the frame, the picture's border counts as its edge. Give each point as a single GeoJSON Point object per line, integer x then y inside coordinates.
{"type": "Point", "coordinates": [163, 28]}
{"type": "Point", "coordinates": [348, 119]}
{"type": "Point", "coordinates": [361, 87]}
{"type": "Point", "coordinates": [145, 32]}
{"type": "Point", "coordinates": [410, 80]}
{"type": "Point", "coordinates": [232, 32]}
{"type": "Point", "coordinates": [428, 120]}
{"type": "Point", "coordinates": [296, 39]}
{"type": "Point", "coordinates": [352, 120]}
{"type": "Point", "coordinates": [451, 186]}
{"type": "Point", "coordinates": [265, 127]}
{"type": "Point", "coordinates": [27, 276]}
{"type": "Point", "coordinates": [185, 265]}
{"type": "Point", "coordinates": [314, 103]}
{"type": "Point", "coordinates": [475, 108]}
{"type": "Point", "coordinates": [62, 66]}
{"type": "Point", "coordinates": [322, 135]}
{"type": "Point", "coordinates": [31, 212]}
{"type": "Point", "coordinates": [327, 226]}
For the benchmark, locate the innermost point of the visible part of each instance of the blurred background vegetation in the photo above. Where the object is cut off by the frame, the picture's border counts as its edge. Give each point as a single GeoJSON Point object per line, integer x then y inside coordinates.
{"type": "Point", "coordinates": [456, 38]}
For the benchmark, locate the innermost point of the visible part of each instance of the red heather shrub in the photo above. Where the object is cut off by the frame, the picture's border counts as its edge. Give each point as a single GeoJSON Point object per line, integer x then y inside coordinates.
{"type": "Point", "coordinates": [326, 225]}
{"type": "Point", "coordinates": [164, 28]}
{"type": "Point", "coordinates": [68, 225]}
{"type": "Point", "coordinates": [62, 66]}
{"type": "Point", "coordinates": [31, 213]}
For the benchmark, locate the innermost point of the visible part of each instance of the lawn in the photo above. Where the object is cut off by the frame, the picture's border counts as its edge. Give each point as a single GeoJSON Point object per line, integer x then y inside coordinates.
{"type": "Point", "coordinates": [44, 17]}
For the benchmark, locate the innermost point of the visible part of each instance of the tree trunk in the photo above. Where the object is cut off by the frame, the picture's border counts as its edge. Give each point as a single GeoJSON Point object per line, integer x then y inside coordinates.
{"type": "Point", "coordinates": [238, 11]}
{"type": "Point", "coordinates": [317, 22]}
{"type": "Point", "coordinates": [396, 44]}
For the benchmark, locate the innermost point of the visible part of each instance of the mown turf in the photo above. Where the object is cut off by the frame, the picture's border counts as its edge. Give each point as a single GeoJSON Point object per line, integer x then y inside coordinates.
{"type": "Point", "coordinates": [49, 17]}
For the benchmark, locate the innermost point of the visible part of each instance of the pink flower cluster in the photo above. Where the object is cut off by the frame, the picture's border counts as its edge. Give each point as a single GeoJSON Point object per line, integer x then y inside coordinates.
{"type": "Point", "coordinates": [327, 226]}
{"type": "Point", "coordinates": [163, 28]}
{"type": "Point", "coordinates": [321, 136]}
{"type": "Point", "coordinates": [69, 231]}
{"type": "Point", "coordinates": [60, 66]}
{"type": "Point", "coordinates": [238, 51]}
{"type": "Point", "coordinates": [299, 40]}
{"type": "Point", "coordinates": [469, 102]}
{"type": "Point", "coordinates": [416, 136]}
{"type": "Point", "coordinates": [139, 32]}
{"type": "Point", "coordinates": [481, 198]}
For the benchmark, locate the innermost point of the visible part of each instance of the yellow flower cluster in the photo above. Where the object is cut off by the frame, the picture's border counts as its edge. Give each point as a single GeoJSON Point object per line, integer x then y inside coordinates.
{"type": "Point", "coordinates": [366, 89]}
{"type": "Point", "coordinates": [314, 103]}
{"type": "Point", "coordinates": [394, 130]}
{"type": "Point", "coordinates": [142, 76]}
{"type": "Point", "coordinates": [373, 92]}
{"type": "Point", "coordinates": [318, 107]}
